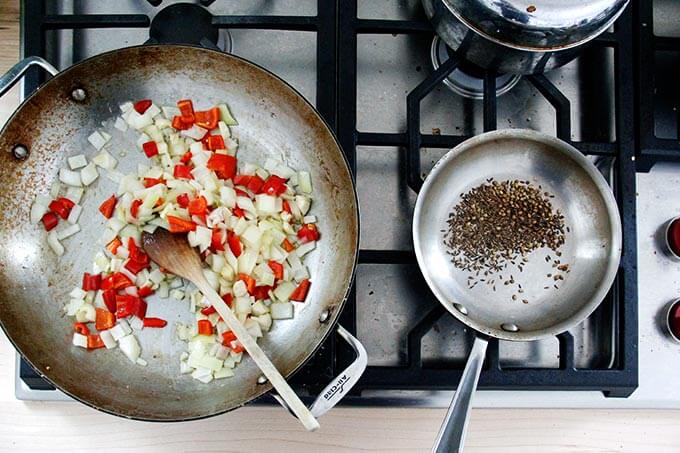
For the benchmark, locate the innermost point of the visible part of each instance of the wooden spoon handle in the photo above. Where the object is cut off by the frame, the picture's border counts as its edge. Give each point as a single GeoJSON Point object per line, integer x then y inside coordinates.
{"type": "Point", "coordinates": [258, 355]}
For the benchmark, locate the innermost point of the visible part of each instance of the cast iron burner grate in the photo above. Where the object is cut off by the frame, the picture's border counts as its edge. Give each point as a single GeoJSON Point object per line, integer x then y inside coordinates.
{"type": "Point", "coordinates": [337, 27]}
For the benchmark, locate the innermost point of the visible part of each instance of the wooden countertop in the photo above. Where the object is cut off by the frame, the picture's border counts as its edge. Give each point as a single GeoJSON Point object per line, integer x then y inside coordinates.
{"type": "Point", "coordinates": [53, 426]}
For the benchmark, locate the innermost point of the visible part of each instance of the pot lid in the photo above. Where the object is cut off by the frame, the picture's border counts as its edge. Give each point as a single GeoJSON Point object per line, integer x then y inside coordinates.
{"type": "Point", "coordinates": [537, 24]}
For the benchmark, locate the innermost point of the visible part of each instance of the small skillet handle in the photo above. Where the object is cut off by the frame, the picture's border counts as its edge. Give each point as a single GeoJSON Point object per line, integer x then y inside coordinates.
{"type": "Point", "coordinates": [11, 77]}
{"type": "Point", "coordinates": [451, 435]}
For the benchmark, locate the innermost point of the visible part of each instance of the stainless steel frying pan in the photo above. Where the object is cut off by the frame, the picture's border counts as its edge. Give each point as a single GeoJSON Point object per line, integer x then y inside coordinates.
{"type": "Point", "coordinates": [54, 122]}
{"type": "Point", "coordinates": [592, 249]}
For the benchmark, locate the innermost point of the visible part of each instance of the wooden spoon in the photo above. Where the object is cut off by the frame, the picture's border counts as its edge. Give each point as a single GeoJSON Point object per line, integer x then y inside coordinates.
{"type": "Point", "coordinates": [172, 251]}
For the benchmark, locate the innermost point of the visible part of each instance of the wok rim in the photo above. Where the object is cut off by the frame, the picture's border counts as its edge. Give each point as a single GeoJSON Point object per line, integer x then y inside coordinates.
{"type": "Point", "coordinates": [335, 312]}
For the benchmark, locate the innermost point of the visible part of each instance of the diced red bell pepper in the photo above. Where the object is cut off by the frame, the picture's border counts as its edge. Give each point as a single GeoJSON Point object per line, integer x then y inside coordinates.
{"type": "Point", "coordinates": [134, 207]}
{"type": "Point", "coordinates": [91, 282]}
{"type": "Point", "coordinates": [207, 119]}
{"type": "Point", "coordinates": [155, 322]}
{"type": "Point", "coordinates": [126, 305]}
{"type": "Point", "coordinates": [300, 292]}
{"type": "Point", "coordinates": [204, 327]}
{"type": "Point", "coordinates": [182, 172]}
{"type": "Point", "coordinates": [150, 148]}
{"type": "Point", "coordinates": [198, 206]}
{"type": "Point", "coordinates": [238, 348]}
{"type": "Point", "coordinates": [57, 207]}
{"type": "Point", "coordinates": [249, 281]}
{"type": "Point", "coordinates": [215, 142]}
{"type": "Point", "coordinates": [150, 182]}
{"type": "Point", "coordinates": [49, 220]}
{"type": "Point", "coordinates": [241, 180]}
{"type": "Point", "coordinates": [228, 337]}
{"type": "Point", "coordinates": [234, 243]}
{"type": "Point", "coordinates": [274, 185]}
{"type": "Point", "coordinates": [121, 281]}
{"type": "Point", "coordinates": [286, 207]}
{"type": "Point", "coordinates": [261, 292]}
{"type": "Point", "coordinates": [113, 245]}
{"type": "Point", "coordinates": [104, 319]}
{"type": "Point", "coordinates": [255, 184]}
{"type": "Point", "coordinates": [186, 157]}
{"type": "Point", "coordinates": [135, 266]}
{"type": "Point", "coordinates": [142, 106]}
{"type": "Point", "coordinates": [66, 202]}
{"type": "Point", "coordinates": [228, 299]}
{"type": "Point", "coordinates": [238, 212]}
{"type": "Point", "coordinates": [277, 269]}
{"type": "Point", "coordinates": [208, 310]}
{"type": "Point", "coordinates": [186, 109]}
{"type": "Point", "coordinates": [81, 328]}
{"type": "Point", "coordinates": [180, 225]}
{"type": "Point", "coordinates": [109, 297]}
{"type": "Point", "coordinates": [216, 240]}
{"type": "Point", "coordinates": [183, 200]}
{"type": "Point", "coordinates": [223, 165]}
{"type": "Point", "coordinates": [145, 291]}
{"type": "Point", "coordinates": [141, 309]}
{"type": "Point", "coordinates": [287, 245]}
{"type": "Point", "coordinates": [94, 342]}
{"type": "Point", "coordinates": [107, 207]}
{"type": "Point", "coordinates": [180, 123]}
{"type": "Point", "coordinates": [308, 233]}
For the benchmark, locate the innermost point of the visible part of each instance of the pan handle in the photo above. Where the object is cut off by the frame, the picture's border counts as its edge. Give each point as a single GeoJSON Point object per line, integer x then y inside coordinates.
{"type": "Point", "coordinates": [11, 77]}
{"type": "Point", "coordinates": [341, 385]}
{"type": "Point", "coordinates": [451, 435]}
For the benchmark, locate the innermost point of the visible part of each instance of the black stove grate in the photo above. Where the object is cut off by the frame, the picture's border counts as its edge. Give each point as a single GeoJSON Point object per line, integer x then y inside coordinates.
{"type": "Point", "coordinates": [337, 27]}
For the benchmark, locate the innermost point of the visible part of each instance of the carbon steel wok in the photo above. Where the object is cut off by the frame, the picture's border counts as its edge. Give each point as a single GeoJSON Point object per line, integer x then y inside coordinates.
{"type": "Point", "coordinates": [54, 123]}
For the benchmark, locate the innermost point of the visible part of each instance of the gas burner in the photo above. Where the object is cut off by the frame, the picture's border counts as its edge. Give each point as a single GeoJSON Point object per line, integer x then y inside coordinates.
{"type": "Point", "coordinates": [468, 79]}
{"type": "Point", "coordinates": [187, 23]}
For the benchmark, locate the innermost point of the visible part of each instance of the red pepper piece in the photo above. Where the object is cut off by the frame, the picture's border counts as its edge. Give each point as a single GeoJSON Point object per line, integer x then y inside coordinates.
{"type": "Point", "coordinates": [186, 109]}
{"type": "Point", "coordinates": [234, 243]}
{"type": "Point", "coordinates": [155, 322]}
{"type": "Point", "coordinates": [286, 207]}
{"type": "Point", "coordinates": [107, 207]}
{"type": "Point", "coordinates": [150, 149]}
{"type": "Point", "coordinates": [49, 220]}
{"type": "Point", "coordinates": [104, 319]}
{"type": "Point", "coordinates": [255, 184]}
{"type": "Point", "coordinates": [81, 328]}
{"type": "Point", "coordinates": [208, 310]}
{"type": "Point", "coordinates": [66, 202]}
{"type": "Point", "coordinates": [113, 245]}
{"type": "Point", "coordinates": [238, 212]}
{"type": "Point", "coordinates": [121, 281]}
{"type": "Point", "coordinates": [186, 157]}
{"type": "Point", "coordinates": [198, 206]}
{"type": "Point", "coordinates": [150, 182]}
{"type": "Point", "coordinates": [274, 185]}
{"type": "Point", "coordinates": [140, 310]}
{"type": "Point", "coordinates": [145, 291]}
{"type": "Point", "coordinates": [91, 282]}
{"type": "Point", "coordinates": [228, 299]}
{"type": "Point", "coordinates": [241, 193]}
{"type": "Point", "coordinates": [109, 297]}
{"type": "Point", "coordinates": [135, 266]}
{"type": "Point", "coordinates": [207, 119]}
{"type": "Point", "coordinates": [287, 245]}
{"type": "Point", "coordinates": [180, 225]}
{"type": "Point", "coordinates": [142, 106]}
{"type": "Point", "coordinates": [261, 292]}
{"type": "Point", "coordinates": [277, 269]}
{"type": "Point", "coordinates": [228, 337]}
{"type": "Point", "coordinates": [204, 327]}
{"type": "Point", "coordinates": [241, 180]}
{"type": "Point", "coordinates": [94, 342]}
{"type": "Point", "coordinates": [238, 348]}
{"type": "Point", "coordinates": [216, 142]}
{"type": "Point", "coordinates": [126, 305]}
{"type": "Point", "coordinates": [183, 200]}
{"type": "Point", "coordinates": [216, 240]}
{"type": "Point", "coordinates": [300, 292]}
{"type": "Point", "coordinates": [134, 208]}
{"type": "Point", "coordinates": [182, 172]}
{"type": "Point", "coordinates": [180, 124]}
{"type": "Point", "coordinates": [308, 233]}
{"type": "Point", "coordinates": [57, 207]}
{"type": "Point", "coordinates": [249, 281]}
{"type": "Point", "coordinates": [223, 165]}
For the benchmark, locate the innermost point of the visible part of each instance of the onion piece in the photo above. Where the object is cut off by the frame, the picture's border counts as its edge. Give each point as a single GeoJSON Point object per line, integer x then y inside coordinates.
{"type": "Point", "coordinates": [38, 210]}
{"type": "Point", "coordinates": [79, 340]}
{"type": "Point", "coordinates": [68, 231]}
{"type": "Point", "coordinates": [130, 347]}
{"type": "Point", "coordinates": [107, 339]}
{"type": "Point", "coordinates": [73, 216]}
{"type": "Point", "coordinates": [283, 293]}
{"type": "Point", "coordinates": [89, 174]}
{"type": "Point", "coordinates": [105, 160]}
{"type": "Point", "coordinates": [77, 161]}
{"type": "Point", "coordinates": [98, 140]}
{"type": "Point", "coordinates": [281, 310]}
{"type": "Point", "coordinates": [53, 242]}
{"type": "Point", "coordinates": [68, 177]}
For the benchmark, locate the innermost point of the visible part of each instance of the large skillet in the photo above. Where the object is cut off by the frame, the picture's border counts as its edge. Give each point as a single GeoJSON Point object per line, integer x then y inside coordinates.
{"type": "Point", "coordinates": [592, 249]}
{"type": "Point", "coordinates": [54, 122]}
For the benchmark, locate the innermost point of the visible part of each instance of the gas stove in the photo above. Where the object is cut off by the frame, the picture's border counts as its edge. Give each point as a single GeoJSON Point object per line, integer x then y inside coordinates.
{"type": "Point", "coordinates": [398, 99]}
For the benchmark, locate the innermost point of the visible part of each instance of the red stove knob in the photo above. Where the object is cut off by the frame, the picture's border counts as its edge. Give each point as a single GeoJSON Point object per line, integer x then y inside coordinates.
{"type": "Point", "coordinates": [673, 237]}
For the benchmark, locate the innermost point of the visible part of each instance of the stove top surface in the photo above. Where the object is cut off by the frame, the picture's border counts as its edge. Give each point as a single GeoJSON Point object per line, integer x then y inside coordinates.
{"type": "Point", "coordinates": [379, 90]}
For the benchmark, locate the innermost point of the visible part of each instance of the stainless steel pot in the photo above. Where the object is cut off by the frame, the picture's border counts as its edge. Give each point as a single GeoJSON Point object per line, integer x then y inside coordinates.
{"type": "Point", "coordinates": [521, 36]}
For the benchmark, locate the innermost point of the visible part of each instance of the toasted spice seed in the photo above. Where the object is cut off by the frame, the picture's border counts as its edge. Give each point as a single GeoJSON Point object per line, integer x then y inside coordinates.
{"type": "Point", "coordinates": [514, 297]}
{"type": "Point", "coordinates": [525, 301]}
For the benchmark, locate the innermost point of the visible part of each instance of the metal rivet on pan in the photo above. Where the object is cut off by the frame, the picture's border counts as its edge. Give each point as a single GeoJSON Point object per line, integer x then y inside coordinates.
{"type": "Point", "coordinates": [509, 327]}
{"type": "Point", "coordinates": [20, 151]}
{"type": "Point", "coordinates": [262, 380]}
{"type": "Point", "coordinates": [78, 95]}
{"type": "Point", "coordinates": [461, 309]}
{"type": "Point", "coordinates": [323, 317]}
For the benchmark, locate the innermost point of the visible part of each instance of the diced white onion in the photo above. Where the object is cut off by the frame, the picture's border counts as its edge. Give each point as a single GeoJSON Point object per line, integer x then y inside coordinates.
{"type": "Point", "coordinates": [120, 330]}
{"type": "Point", "coordinates": [89, 173]}
{"type": "Point", "coordinates": [77, 161]}
{"type": "Point", "coordinates": [107, 339]}
{"type": "Point", "coordinates": [53, 242]}
{"type": "Point", "coordinates": [79, 340]}
{"type": "Point", "coordinates": [68, 177]}
{"type": "Point", "coordinates": [281, 310]}
{"type": "Point", "coordinates": [130, 347]}
{"type": "Point", "coordinates": [86, 313]}
{"type": "Point", "coordinates": [98, 140]}
{"type": "Point", "coordinates": [68, 231]}
{"type": "Point", "coordinates": [105, 160]}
